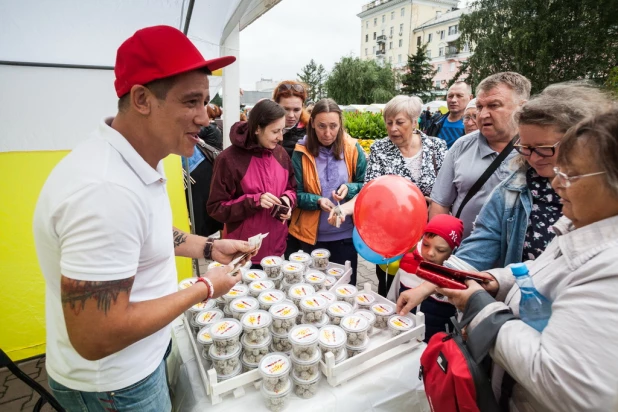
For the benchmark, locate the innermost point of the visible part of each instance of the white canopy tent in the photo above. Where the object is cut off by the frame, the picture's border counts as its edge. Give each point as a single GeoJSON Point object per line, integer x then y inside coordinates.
{"type": "Point", "coordinates": [56, 78]}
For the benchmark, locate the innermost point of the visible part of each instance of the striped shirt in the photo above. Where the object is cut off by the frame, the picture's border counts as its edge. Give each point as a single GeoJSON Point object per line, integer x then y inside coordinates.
{"type": "Point", "coordinates": [451, 131]}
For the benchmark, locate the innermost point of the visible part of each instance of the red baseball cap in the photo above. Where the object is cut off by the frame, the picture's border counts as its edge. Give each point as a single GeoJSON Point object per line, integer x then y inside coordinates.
{"type": "Point", "coordinates": [448, 228]}
{"type": "Point", "coordinates": [156, 53]}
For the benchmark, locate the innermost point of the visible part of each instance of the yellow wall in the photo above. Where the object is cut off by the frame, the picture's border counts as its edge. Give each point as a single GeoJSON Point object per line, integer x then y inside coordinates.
{"type": "Point", "coordinates": [22, 289]}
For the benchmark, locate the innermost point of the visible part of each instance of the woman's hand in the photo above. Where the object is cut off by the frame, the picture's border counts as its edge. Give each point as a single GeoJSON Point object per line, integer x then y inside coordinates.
{"type": "Point", "coordinates": [325, 204]}
{"type": "Point", "coordinates": [492, 286]}
{"type": "Point", "coordinates": [341, 193]}
{"type": "Point", "coordinates": [288, 215]}
{"type": "Point", "coordinates": [459, 298]}
{"type": "Point", "coordinates": [411, 298]}
{"type": "Point", "coordinates": [268, 200]}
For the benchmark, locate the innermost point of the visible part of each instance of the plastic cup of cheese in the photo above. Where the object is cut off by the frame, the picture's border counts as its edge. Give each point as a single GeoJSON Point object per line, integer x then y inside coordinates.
{"type": "Point", "coordinates": [364, 300]}
{"type": "Point", "coordinates": [213, 265]}
{"type": "Point", "coordinates": [253, 353]}
{"type": "Point", "coordinates": [305, 388]}
{"type": "Point", "coordinates": [236, 372]}
{"type": "Point", "coordinates": [320, 258]}
{"type": "Point", "coordinates": [284, 317]}
{"type": "Point", "coordinates": [238, 291]}
{"type": "Point", "coordinates": [323, 322]}
{"type": "Point", "coordinates": [343, 356]}
{"type": "Point", "coordinates": [346, 293]}
{"type": "Point", "coordinates": [276, 400]}
{"type": "Point", "coordinates": [337, 310]}
{"type": "Point", "coordinates": [258, 286]}
{"type": "Point", "coordinates": [285, 286]}
{"type": "Point", "coordinates": [299, 291]}
{"type": "Point", "coordinates": [293, 272]}
{"type": "Point", "coordinates": [240, 306]}
{"type": "Point", "coordinates": [185, 283]}
{"type": "Point", "coordinates": [270, 297]}
{"type": "Point", "coordinates": [356, 327]}
{"type": "Point", "coordinates": [275, 370]}
{"type": "Point", "coordinates": [206, 362]}
{"type": "Point", "coordinates": [354, 350]}
{"type": "Point", "coordinates": [316, 279]}
{"type": "Point", "coordinates": [301, 257]}
{"type": "Point", "coordinates": [278, 281]}
{"type": "Point", "coordinates": [304, 340]}
{"type": "Point", "coordinates": [329, 281]}
{"type": "Point", "coordinates": [332, 339]}
{"type": "Point", "coordinates": [335, 272]}
{"type": "Point", "coordinates": [252, 275]}
{"type": "Point", "coordinates": [398, 324]}
{"type": "Point", "coordinates": [220, 302]}
{"type": "Point", "coordinates": [383, 311]}
{"type": "Point", "coordinates": [204, 341]}
{"type": "Point", "coordinates": [309, 368]}
{"type": "Point", "coordinates": [369, 315]}
{"type": "Point", "coordinates": [247, 366]}
{"type": "Point", "coordinates": [193, 311]}
{"type": "Point", "coordinates": [225, 363]}
{"type": "Point", "coordinates": [225, 335]}
{"type": "Point", "coordinates": [272, 266]}
{"type": "Point", "coordinates": [255, 326]}
{"type": "Point", "coordinates": [281, 343]}
{"type": "Point", "coordinates": [330, 297]}
{"type": "Point", "coordinates": [313, 308]}
{"type": "Point", "coordinates": [207, 317]}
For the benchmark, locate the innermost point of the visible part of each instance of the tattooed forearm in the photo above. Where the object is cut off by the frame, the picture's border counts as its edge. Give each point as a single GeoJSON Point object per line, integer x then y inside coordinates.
{"type": "Point", "coordinates": [179, 238]}
{"type": "Point", "coordinates": [76, 293]}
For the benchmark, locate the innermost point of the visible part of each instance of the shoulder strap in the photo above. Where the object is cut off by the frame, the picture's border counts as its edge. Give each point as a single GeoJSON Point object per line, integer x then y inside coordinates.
{"type": "Point", "coordinates": [486, 174]}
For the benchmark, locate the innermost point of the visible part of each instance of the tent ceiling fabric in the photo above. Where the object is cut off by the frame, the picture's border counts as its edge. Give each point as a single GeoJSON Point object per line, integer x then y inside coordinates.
{"type": "Point", "coordinates": [88, 32]}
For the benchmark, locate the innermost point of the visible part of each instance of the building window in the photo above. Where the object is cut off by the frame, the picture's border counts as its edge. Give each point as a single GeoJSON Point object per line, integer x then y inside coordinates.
{"type": "Point", "coordinates": [366, 51]}
{"type": "Point", "coordinates": [392, 15]}
{"type": "Point", "coordinates": [403, 11]}
{"type": "Point", "coordinates": [452, 29]}
{"type": "Point", "coordinates": [399, 58]}
{"type": "Point", "coordinates": [383, 18]}
{"type": "Point", "coordinates": [367, 24]}
{"type": "Point", "coordinates": [418, 41]}
{"type": "Point", "coordinates": [452, 67]}
{"type": "Point", "coordinates": [441, 52]}
{"type": "Point", "coordinates": [390, 45]}
{"type": "Point", "coordinates": [429, 54]}
{"type": "Point", "coordinates": [466, 47]}
{"type": "Point", "coordinates": [382, 32]}
{"type": "Point", "coordinates": [390, 59]}
{"type": "Point", "coordinates": [366, 38]}
{"type": "Point", "coordinates": [375, 21]}
{"type": "Point", "coordinates": [401, 28]}
{"type": "Point", "coordinates": [439, 68]}
{"type": "Point", "coordinates": [392, 30]}
{"type": "Point", "coordinates": [441, 34]}
{"type": "Point", "coordinates": [437, 84]}
{"type": "Point", "coordinates": [400, 42]}
{"type": "Point", "coordinates": [374, 35]}
{"type": "Point", "coordinates": [429, 37]}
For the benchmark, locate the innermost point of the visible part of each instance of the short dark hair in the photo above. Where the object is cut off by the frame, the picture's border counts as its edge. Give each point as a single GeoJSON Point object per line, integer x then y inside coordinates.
{"type": "Point", "coordinates": [263, 113]}
{"type": "Point", "coordinates": [159, 88]}
{"type": "Point", "coordinates": [313, 144]}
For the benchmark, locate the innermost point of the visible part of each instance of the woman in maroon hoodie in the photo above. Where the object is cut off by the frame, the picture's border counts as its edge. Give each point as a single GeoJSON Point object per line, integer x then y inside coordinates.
{"type": "Point", "coordinates": [251, 177]}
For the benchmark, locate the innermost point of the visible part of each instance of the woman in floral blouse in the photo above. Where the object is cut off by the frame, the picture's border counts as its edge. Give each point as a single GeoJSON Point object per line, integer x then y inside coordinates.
{"type": "Point", "coordinates": [516, 222]}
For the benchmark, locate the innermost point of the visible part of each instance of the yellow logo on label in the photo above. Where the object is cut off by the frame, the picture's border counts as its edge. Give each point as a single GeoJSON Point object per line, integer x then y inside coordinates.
{"type": "Point", "coordinates": [303, 333]}
{"type": "Point", "coordinates": [208, 317]}
{"type": "Point", "coordinates": [276, 366]}
{"type": "Point", "coordinates": [362, 298]}
{"type": "Point", "coordinates": [206, 336]}
{"type": "Point", "coordinates": [380, 309]}
{"type": "Point", "coordinates": [319, 254]}
{"type": "Point", "coordinates": [252, 275]}
{"type": "Point", "coordinates": [344, 291]}
{"type": "Point", "coordinates": [401, 323]}
{"type": "Point", "coordinates": [314, 278]}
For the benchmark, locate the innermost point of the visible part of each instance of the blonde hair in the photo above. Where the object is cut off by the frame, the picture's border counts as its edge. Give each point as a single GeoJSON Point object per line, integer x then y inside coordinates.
{"type": "Point", "coordinates": [410, 105]}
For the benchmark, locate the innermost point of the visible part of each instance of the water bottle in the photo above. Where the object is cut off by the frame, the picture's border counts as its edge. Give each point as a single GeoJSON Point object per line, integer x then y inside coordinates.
{"type": "Point", "coordinates": [534, 308]}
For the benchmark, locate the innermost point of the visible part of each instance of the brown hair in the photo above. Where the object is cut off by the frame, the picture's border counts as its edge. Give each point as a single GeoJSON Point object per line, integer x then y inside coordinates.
{"type": "Point", "coordinates": [312, 143]}
{"type": "Point", "coordinates": [514, 81]}
{"type": "Point", "coordinates": [600, 135]}
{"type": "Point", "coordinates": [279, 94]}
{"type": "Point", "coordinates": [213, 110]}
{"type": "Point", "coordinates": [263, 113]}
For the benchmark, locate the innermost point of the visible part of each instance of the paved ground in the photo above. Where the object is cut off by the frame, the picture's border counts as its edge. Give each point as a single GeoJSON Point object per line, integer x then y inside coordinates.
{"type": "Point", "coordinates": [16, 396]}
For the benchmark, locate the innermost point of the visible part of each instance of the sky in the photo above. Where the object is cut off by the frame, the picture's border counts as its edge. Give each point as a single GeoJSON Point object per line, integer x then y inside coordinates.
{"type": "Point", "coordinates": [278, 44]}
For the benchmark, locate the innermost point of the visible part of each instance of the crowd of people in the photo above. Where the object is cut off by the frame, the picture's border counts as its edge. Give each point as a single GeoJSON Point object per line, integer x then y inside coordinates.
{"type": "Point", "coordinates": [507, 177]}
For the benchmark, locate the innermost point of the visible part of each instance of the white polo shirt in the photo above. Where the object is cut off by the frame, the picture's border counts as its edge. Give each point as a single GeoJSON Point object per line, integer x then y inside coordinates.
{"type": "Point", "coordinates": [104, 214]}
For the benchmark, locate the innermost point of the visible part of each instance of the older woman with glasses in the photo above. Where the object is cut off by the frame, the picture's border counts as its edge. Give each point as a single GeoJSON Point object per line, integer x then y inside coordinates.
{"type": "Point", "coordinates": [571, 363]}
{"type": "Point", "coordinates": [291, 95]}
{"type": "Point", "coordinates": [516, 222]}
{"type": "Point", "coordinates": [469, 117]}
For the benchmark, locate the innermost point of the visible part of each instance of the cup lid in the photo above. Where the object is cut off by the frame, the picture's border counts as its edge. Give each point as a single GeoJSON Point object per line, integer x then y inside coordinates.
{"type": "Point", "coordinates": [367, 314]}
{"type": "Point", "coordinates": [206, 317]}
{"type": "Point", "coordinates": [284, 311]}
{"type": "Point", "coordinates": [383, 309]}
{"type": "Point", "coordinates": [300, 381]}
{"type": "Point", "coordinates": [237, 291]}
{"type": "Point", "coordinates": [254, 274]}
{"type": "Point", "coordinates": [330, 298]}
{"type": "Point", "coordinates": [365, 299]}
{"type": "Point", "coordinates": [346, 290]}
{"type": "Point", "coordinates": [317, 355]}
{"type": "Point", "coordinates": [300, 290]}
{"type": "Point", "coordinates": [256, 319]}
{"type": "Point", "coordinates": [402, 323]}
{"type": "Point", "coordinates": [354, 323]}
{"type": "Point", "coordinates": [274, 365]}
{"type": "Point", "coordinates": [314, 302]}
{"type": "Point", "coordinates": [315, 276]}
{"type": "Point", "coordinates": [303, 335]}
{"type": "Point", "coordinates": [293, 267]}
{"type": "Point", "coordinates": [271, 261]}
{"type": "Point", "coordinates": [225, 329]}
{"type": "Point", "coordinates": [244, 304]}
{"type": "Point", "coordinates": [200, 306]}
{"type": "Point", "coordinates": [299, 257]}
{"type": "Point", "coordinates": [336, 272]}
{"type": "Point", "coordinates": [203, 336]}
{"type": "Point", "coordinates": [287, 388]}
{"type": "Point", "coordinates": [215, 265]}
{"type": "Point", "coordinates": [332, 336]}
{"type": "Point", "coordinates": [185, 283]}
{"type": "Point", "coordinates": [212, 352]}
{"type": "Point", "coordinates": [248, 345]}
{"type": "Point", "coordinates": [340, 308]}
{"type": "Point", "coordinates": [320, 253]}
{"type": "Point", "coordinates": [362, 346]}
{"type": "Point", "coordinates": [261, 285]}
{"type": "Point", "coordinates": [271, 297]}
{"type": "Point", "coordinates": [329, 281]}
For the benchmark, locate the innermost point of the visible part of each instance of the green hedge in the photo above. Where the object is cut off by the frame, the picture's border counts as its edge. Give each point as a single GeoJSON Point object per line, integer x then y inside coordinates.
{"type": "Point", "coordinates": [364, 125]}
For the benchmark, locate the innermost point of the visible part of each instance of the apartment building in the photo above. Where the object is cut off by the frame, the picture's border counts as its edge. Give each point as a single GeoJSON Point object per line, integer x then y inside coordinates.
{"type": "Point", "coordinates": [441, 34]}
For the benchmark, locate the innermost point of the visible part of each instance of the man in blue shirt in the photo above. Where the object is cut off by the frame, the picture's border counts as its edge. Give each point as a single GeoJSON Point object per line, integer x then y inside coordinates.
{"type": "Point", "coordinates": [450, 127]}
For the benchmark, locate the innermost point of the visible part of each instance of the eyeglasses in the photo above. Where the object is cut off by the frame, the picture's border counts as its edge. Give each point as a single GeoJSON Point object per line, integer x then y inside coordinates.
{"type": "Point", "coordinates": [566, 180]}
{"type": "Point", "coordinates": [469, 117]}
{"type": "Point", "coordinates": [543, 151]}
{"type": "Point", "coordinates": [295, 86]}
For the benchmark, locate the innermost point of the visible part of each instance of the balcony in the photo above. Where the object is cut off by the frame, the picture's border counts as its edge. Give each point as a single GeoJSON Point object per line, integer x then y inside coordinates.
{"type": "Point", "coordinates": [380, 53]}
{"type": "Point", "coordinates": [381, 38]}
{"type": "Point", "coordinates": [451, 51]}
{"type": "Point", "coordinates": [453, 37]}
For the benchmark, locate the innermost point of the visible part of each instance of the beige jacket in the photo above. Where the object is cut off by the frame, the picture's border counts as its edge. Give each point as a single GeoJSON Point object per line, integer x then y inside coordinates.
{"type": "Point", "coordinates": [573, 364]}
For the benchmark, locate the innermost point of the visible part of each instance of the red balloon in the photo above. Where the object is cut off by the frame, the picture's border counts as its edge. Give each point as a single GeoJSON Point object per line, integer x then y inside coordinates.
{"type": "Point", "coordinates": [390, 215]}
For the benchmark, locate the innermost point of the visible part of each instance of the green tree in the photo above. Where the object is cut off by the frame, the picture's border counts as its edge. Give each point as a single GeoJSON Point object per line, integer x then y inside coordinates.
{"type": "Point", "coordinates": [313, 76]}
{"type": "Point", "coordinates": [356, 81]}
{"type": "Point", "coordinates": [217, 100]}
{"type": "Point", "coordinates": [611, 83]}
{"type": "Point", "coordinates": [418, 80]}
{"type": "Point", "coordinates": [546, 41]}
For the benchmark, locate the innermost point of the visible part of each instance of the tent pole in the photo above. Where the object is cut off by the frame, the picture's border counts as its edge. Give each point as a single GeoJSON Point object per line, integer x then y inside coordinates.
{"type": "Point", "coordinates": [188, 17]}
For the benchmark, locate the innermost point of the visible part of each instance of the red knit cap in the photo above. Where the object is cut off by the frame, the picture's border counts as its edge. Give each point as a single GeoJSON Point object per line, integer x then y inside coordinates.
{"type": "Point", "coordinates": [448, 228]}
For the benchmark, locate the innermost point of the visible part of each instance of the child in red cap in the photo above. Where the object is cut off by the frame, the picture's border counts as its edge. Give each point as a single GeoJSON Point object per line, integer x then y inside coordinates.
{"type": "Point", "coordinates": [441, 237]}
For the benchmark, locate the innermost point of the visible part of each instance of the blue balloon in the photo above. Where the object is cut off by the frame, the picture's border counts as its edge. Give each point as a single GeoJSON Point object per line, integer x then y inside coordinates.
{"type": "Point", "coordinates": [368, 254]}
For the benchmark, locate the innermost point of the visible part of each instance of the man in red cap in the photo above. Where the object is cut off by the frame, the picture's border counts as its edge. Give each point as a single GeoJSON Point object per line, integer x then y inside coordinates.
{"type": "Point", "coordinates": [105, 240]}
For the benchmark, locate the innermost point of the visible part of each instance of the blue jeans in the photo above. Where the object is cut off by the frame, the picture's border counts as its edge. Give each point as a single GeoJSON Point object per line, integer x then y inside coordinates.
{"type": "Point", "coordinates": [151, 394]}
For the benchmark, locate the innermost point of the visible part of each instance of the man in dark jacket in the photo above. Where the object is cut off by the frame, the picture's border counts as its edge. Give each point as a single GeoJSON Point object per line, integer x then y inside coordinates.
{"type": "Point", "coordinates": [450, 126]}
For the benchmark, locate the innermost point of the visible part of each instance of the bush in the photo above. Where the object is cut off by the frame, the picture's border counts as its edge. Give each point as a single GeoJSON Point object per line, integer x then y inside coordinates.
{"type": "Point", "coordinates": [365, 125]}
